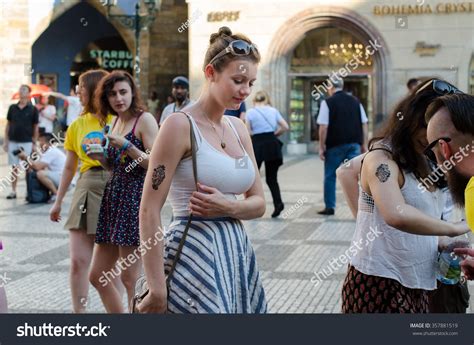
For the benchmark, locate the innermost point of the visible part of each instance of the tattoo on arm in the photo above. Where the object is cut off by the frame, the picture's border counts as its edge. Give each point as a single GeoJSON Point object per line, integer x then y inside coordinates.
{"type": "Point", "coordinates": [383, 172]}
{"type": "Point", "coordinates": [158, 176]}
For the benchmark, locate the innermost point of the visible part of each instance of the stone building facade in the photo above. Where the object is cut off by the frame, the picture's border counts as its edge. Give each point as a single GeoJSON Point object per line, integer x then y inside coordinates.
{"type": "Point", "coordinates": [376, 45]}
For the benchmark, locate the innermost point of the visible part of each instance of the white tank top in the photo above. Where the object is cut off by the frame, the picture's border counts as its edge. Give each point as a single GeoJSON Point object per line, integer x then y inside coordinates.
{"type": "Point", "coordinates": [409, 259]}
{"type": "Point", "coordinates": [231, 176]}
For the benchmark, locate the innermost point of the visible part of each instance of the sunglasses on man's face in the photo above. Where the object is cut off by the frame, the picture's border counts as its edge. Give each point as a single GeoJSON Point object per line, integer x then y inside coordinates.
{"type": "Point", "coordinates": [236, 48]}
{"type": "Point", "coordinates": [440, 87]}
{"type": "Point", "coordinates": [428, 151]}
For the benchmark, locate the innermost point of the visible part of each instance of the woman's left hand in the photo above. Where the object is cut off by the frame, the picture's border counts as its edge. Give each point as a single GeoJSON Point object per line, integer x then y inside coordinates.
{"type": "Point", "coordinates": [209, 202]}
{"type": "Point", "coordinates": [116, 141]}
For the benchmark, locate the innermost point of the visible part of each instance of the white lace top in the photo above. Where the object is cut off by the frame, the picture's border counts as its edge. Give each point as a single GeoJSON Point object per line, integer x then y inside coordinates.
{"type": "Point", "coordinates": [391, 253]}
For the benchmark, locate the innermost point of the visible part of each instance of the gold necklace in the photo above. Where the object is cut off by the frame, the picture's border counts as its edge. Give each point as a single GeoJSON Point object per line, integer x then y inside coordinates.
{"type": "Point", "coordinates": [215, 130]}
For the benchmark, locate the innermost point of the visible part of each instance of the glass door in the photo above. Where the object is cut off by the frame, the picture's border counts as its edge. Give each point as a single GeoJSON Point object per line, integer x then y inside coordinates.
{"type": "Point", "coordinates": [296, 117]}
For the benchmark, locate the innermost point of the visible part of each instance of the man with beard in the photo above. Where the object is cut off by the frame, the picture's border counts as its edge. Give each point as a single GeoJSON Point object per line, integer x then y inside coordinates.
{"type": "Point", "coordinates": [450, 133]}
{"type": "Point", "coordinates": [180, 93]}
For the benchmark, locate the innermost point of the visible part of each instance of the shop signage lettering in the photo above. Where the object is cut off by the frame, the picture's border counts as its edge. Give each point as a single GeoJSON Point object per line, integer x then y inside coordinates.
{"type": "Point", "coordinates": [230, 16]}
{"type": "Point", "coordinates": [424, 49]}
{"type": "Point", "coordinates": [112, 59]}
{"type": "Point", "coordinates": [441, 8]}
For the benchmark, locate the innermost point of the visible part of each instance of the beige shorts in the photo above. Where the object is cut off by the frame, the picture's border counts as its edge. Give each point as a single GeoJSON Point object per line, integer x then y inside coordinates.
{"type": "Point", "coordinates": [85, 205]}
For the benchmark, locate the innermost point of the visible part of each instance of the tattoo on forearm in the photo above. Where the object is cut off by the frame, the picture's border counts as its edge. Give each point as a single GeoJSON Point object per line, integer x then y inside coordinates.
{"type": "Point", "coordinates": [158, 176]}
{"type": "Point", "coordinates": [383, 172]}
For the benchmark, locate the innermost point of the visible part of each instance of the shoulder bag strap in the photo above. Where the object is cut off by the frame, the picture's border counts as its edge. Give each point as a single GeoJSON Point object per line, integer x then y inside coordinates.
{"type": "Point", "coordinates": [188, 224]}
{"type": "Point", "coordinates": [263, 115]}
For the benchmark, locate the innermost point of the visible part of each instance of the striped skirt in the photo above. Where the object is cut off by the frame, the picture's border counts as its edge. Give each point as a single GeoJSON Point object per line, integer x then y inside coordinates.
{"type": "Point", "coordinates": [217, 271]}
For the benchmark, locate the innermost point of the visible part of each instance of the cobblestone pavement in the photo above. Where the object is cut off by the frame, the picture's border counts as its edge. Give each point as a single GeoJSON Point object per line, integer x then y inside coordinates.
{"type": "Point", "coordinates": [289, 249]}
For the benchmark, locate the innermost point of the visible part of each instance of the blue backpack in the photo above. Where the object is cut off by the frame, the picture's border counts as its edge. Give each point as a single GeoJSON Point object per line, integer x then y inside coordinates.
{"type": "Point", "coordinates": [36, 192]}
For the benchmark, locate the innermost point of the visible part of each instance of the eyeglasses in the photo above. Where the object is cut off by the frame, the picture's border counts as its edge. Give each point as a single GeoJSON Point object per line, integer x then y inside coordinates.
{"type": "Point", "coordinates": [237, 48]}
{"type": "Point", "coordinates": [440, 87]}
{"type": "Point", "coordinates": [428, 151]}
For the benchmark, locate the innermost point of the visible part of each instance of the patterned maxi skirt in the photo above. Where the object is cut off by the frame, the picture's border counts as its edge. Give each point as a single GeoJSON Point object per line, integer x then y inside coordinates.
{"type": "Point", "coordinates": [217, 271]}
{"type": "Point", "coordinates": [362, 293]}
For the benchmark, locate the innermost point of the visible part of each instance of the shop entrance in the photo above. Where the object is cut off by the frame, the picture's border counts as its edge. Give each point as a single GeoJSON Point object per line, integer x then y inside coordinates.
{"type": "Point", "coordinates": [64, 50]}
{"type": "Point", "coordinates": [304, 108]}
{"type": "Point", "coordinates": [324, 52]}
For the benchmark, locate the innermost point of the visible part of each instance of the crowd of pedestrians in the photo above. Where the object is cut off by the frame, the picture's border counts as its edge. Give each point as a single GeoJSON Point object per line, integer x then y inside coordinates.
{"type": "Point", "coordinates": [133, 157]}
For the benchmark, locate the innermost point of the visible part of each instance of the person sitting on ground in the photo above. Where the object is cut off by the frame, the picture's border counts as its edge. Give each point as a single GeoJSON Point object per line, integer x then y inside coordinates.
{"type": "Point", "coordinates": [49, 166]}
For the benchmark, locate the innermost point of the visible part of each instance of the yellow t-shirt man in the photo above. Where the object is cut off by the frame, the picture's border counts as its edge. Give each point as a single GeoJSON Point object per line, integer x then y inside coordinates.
{"type": "Point", "coordinates": [86, 129]}
{"type": "Point", "coordinates": [469, 203]}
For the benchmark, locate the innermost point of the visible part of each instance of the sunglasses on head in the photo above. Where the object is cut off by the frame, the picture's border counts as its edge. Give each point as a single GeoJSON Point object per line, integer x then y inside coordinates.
{"type": "Point", "coordinates": [236, 48]}
{"type": "Point", "coordinates": [428, 151]}
{"type": "Point", "coordinates": [440, 87]}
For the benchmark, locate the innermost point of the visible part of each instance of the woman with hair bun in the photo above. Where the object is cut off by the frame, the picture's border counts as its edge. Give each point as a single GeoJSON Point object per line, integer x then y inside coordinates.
{"type": "Point", "coordinates": [217, 270]}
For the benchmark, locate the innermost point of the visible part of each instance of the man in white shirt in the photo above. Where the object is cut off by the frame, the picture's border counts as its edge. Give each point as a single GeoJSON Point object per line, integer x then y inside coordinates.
{"type": "Point", "coordinates": [180, 93]}
{"type": "Point", "coordinates": [342, 136]}
{"type": "Point", "coordinates": [49, 166]}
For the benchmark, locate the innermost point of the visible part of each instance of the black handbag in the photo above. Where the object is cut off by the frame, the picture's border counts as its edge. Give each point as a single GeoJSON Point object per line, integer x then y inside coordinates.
{"type": "Point", "coordinates": [141, 287]}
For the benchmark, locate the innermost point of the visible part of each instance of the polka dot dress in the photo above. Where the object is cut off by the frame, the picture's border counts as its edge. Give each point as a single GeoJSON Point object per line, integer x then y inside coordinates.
{"type": "Point", "coordinates": [118, 216]}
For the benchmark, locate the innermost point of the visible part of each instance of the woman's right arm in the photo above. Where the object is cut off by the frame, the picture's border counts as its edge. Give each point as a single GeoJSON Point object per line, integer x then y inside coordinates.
{"type": "Point", "coordinates": [381, 175]}
{"type": "Point", "coordinates": [164, 158]}
{"type": "Point", "coordinates": [69, 171]}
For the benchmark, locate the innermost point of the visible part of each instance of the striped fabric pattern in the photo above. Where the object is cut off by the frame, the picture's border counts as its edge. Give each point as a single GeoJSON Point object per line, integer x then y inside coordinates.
{"type": "Point", "coordinates": [217, 271]}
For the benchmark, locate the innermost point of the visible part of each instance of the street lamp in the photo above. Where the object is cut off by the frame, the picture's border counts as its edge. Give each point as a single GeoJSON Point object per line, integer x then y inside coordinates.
{"type": "Point", "coordinates": [135, 22]}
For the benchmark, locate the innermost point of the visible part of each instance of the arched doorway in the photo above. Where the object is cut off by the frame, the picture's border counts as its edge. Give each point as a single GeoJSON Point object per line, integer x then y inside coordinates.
{"type": "Point", "coordinates": [302, 55]}
{"type": "Point", "coordinates": [70, 43]}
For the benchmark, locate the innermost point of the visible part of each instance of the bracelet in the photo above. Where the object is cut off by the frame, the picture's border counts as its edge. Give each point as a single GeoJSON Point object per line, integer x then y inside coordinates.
{"type": "Point", "coordinates": [126, 146]}
{"type": "Point", "coordinates": [122, 152]}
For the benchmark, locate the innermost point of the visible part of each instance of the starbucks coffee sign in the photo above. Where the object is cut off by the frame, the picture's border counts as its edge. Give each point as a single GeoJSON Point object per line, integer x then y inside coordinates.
{"type": "Point", "coordinates": [113, 59]}
{"type": "Point", "coordinates": [427, 8]}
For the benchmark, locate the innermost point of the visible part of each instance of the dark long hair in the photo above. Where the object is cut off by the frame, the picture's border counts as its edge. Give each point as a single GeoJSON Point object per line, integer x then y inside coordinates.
{"type": "Point", "coordinates": [105, 87]}
{"type": "Point", "coordinates": [90, 80]}
{"type": "Point", "coordinates": [400, 129]}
